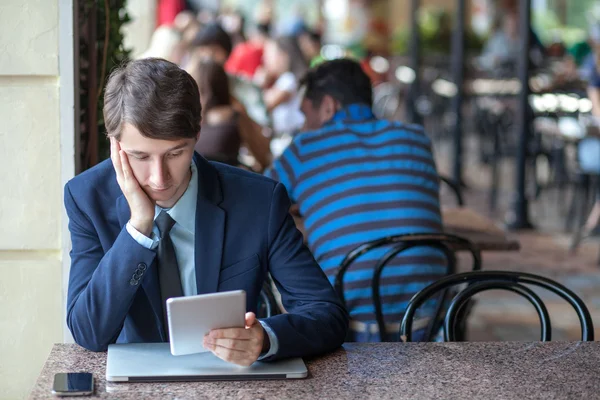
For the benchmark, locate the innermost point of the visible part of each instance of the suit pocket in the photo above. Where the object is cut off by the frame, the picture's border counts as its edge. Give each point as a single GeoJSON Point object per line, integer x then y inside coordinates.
{"type": "Point", "coordinates": [239, 268]}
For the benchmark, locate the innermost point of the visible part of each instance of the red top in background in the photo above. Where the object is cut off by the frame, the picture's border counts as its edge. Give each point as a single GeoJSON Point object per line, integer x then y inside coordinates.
{"type": "Point", "coordinates": [244, 59]}
{"type": "Point", "coordinates": [167, 11]}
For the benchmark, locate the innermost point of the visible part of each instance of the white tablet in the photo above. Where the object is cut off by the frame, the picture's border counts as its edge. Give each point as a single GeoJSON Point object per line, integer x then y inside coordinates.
{"type": "Point", "coordinates": [192, 317]}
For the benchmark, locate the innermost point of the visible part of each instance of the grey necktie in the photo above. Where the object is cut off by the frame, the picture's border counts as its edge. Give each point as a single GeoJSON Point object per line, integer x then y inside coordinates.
{"type": "Point", "coordinates": [168, 271]}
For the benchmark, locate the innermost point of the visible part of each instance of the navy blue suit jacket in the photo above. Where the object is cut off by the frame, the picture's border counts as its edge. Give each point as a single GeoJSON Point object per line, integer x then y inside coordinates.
{"type": "Point", "coordinates": [243, 231]}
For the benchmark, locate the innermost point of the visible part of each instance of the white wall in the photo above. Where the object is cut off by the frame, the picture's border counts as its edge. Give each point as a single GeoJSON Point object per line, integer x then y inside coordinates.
{"type": "Point", "coordinates": [31, 309]}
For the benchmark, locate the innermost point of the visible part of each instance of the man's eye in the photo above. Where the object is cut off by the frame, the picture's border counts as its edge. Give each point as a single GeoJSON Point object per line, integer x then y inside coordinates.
{"type": "Point", "coordinates": [173, 155]}
{"type": "Point", "coordinates": [141, 158]}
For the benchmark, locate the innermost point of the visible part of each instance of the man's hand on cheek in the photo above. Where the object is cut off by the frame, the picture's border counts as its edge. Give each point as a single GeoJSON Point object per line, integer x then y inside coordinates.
{"type": "Point", "coordinates": [142, 208]}
{"type": "Point", "coordinates": [241, 346]}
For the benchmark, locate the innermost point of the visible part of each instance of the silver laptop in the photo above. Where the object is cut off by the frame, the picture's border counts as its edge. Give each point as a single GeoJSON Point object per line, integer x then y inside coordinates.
{"type": "Point", "coordinates": [152, 362]}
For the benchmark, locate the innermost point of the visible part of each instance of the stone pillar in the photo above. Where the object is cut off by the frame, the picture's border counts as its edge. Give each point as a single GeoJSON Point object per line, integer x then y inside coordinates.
{"type": "Point", "coordinates": [31, 312]}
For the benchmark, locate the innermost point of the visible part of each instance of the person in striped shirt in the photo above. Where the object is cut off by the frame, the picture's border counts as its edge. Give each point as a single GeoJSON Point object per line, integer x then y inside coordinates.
{"type": "Point", "coordinates": [356, 178]}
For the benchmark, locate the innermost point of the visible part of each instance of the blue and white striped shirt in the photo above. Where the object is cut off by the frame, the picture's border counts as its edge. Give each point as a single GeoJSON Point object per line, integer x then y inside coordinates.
{"type": "Point", "coordinates": [358, 179]}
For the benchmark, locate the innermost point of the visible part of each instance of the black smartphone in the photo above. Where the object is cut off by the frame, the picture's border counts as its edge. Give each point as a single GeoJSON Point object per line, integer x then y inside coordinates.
{"type": "Point", "coordinates": [73, 384]}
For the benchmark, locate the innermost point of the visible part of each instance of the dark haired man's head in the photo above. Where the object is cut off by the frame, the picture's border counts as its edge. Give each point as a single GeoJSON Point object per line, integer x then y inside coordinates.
{"type": "Point", "coordinates": [152, 107]}
{"type": "Point", "coordinates": [156, 96]}
{"type": "Point", "coordinates": [212, 42]}
{"type": "Point", "coordinates": [332, 86]}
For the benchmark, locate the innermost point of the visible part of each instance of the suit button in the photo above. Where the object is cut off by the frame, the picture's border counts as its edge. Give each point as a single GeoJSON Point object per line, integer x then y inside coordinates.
{"type": "Point", "coordinates": [134, 282]}
{"type": "Point", "coordinates": [142, 267]}
{"type": "Point", "coordinates": [138, 274]}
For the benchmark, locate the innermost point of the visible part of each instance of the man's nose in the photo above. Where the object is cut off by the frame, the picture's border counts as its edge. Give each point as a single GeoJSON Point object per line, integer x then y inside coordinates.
{"type": "Point", "coordinates": [159, 174]}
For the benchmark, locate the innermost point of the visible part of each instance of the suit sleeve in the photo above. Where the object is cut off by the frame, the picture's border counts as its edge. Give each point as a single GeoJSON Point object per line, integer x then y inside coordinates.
{"type": "Point", "coordinates": [316, 321]}
{"type": "Point", "coordinates": [102, 285]}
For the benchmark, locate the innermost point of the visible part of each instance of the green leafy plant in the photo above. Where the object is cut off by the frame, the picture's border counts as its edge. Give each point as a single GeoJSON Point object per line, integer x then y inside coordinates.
{"type": "Point", "coordinates": [435, 28]}
{"type": "Point", "coordinates": [100, 50]}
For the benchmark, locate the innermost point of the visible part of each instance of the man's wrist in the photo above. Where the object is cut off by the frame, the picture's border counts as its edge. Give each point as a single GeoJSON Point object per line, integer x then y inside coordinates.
{"type": "Point", "coordinates": [142, 226]}
{"type": "Point", "coordinates": [266, 342]}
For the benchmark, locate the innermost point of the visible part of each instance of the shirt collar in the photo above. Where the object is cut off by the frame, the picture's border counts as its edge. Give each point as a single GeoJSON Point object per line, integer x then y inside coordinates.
{"type": "Point", "coordinates": [353, 112]}
{"type": "Point", "coordinates": [184, 211]}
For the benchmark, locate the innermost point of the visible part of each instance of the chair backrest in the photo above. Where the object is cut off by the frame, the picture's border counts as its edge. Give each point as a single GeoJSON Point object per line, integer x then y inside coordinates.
{"type": "Point", "coordinates": [454, 188]}
{"type": "Point", "coordinates": [444, 242]}
{"type": "Point", "coordinates": [487, 280]}
{"type": "Point", "coordinates": [267, 305]}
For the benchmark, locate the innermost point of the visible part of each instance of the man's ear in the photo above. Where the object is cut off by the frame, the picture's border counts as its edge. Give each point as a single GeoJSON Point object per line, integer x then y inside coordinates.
{"type": "Point", "coordinates": [329, 106]}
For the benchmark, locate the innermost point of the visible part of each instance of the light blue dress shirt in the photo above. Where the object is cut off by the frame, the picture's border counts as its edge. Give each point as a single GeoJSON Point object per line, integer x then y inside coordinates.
{"type": "Point", "coordinates": [182, 236]}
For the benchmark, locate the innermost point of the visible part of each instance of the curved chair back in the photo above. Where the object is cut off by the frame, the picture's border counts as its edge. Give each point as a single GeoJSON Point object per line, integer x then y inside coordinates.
{"type": "Point", "coordinates": [507, 280]}
{"type": "Point", "coordinates": [454, 188]}
{"type": "Point", "coordinates": [267, 305]}
{"type": "Point", "coordinates": [445, 242]}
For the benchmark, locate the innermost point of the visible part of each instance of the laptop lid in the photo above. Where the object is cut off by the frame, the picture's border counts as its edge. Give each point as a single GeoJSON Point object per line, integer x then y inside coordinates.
{"type": "Point", "coordinates": [152, 362]}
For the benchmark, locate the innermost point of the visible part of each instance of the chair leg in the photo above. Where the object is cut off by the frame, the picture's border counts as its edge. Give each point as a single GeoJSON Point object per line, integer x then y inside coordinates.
{"type": "Point", "coordinates": [572, 213]}
{"type": "Point", "coordinates": [495, 160]}
{"type": "Point", "coordinates": [463, 316]}
{"type": "Point", "coordinates": [583, 210]}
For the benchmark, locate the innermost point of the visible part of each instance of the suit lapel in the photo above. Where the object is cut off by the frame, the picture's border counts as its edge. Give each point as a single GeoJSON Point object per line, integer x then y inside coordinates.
{"type": "Point", "coordinates": [210, 228]}
{"type": "Point", "coordinates": [150, 282]}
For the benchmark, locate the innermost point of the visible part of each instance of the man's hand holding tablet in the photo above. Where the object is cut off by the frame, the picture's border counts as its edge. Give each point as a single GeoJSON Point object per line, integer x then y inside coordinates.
{"type": "Point", "coordinates": [241, 346]}
{"type": "Point", "coordinates": [218, 319]}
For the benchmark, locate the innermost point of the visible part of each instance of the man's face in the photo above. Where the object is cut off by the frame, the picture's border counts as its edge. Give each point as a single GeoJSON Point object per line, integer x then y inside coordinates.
{"type": "Point", "coordinates": [211, 52]}
{"type": "Point", "coordinates": [315, 117]}
{"type": "Point", "coordinates": [162, 167]}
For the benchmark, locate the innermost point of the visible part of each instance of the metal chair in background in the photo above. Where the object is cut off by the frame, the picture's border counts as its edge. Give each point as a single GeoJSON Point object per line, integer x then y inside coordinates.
{"type": "Point", "coordinates": [479, 281]}
{"type": "Point", "coordinates": [267, 305]}
{"type": "Point", "coordinates": [454, 188]}
{"type": "Point", "coordinates": [446, 243]}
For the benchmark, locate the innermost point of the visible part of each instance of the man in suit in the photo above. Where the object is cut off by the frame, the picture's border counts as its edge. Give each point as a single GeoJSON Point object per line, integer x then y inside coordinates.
{"type": "Point", "coordinates": [158, 221]}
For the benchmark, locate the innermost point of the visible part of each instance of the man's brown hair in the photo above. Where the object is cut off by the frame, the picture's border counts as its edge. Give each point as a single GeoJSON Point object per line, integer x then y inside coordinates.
{"type": "Point", "coordinates": [156, 96]}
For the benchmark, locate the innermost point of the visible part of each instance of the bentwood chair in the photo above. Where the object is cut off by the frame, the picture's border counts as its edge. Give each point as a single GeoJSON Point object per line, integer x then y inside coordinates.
{"type": "Point", "coordinates": [267, 305]}
{"type": "Point", "coordinates": [479, 281]}
{"type": "Point", "coordinates": [454, 188]}
{"type": "Point", "coordinates": [446, 243]}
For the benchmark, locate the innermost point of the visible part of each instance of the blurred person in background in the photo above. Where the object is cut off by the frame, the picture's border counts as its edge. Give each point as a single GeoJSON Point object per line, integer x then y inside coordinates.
{"type": "Point", "coordinates": [503, 45]}
{"type": "Point", "coordinates": [213, 42]}
{"type": "Point", "coordinates": [224, 129]}
{"type": "Point", "coordinates": [246, 58]}
{"type": "Point", "coordinates": [184, 20]}
{"type": "Point", "coordinates": [188, 27]}
{"type": "Point", "coordinates": [502, 48]}
{"type": "Point", "coordinates": [356, 178]}
{"type": "Point", "coordinates": [168, 10]}
{"type": "Point", "coordinates": [234, 24]}
{"type": "Point", "coordinates": [163, 43]}
{"type": "Point", "coordinates": [310, 44]}
{"type": "Point", "coordinates": [284, 63]}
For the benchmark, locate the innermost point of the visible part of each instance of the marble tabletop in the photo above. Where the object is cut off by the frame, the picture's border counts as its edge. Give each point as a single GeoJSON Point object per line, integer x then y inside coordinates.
{"type": "Point", "coordinates": [476, 370]}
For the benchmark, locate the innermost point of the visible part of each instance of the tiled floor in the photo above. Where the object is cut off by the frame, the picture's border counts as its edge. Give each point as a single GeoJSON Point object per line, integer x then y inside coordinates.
{"type": "Point", "coordinates": [505, 316]}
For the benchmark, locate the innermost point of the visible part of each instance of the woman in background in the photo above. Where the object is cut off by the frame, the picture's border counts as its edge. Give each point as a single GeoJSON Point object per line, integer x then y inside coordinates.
{"type": "Point", "coordinates": [224, 128]}
{"type": "Point", "coordinates": [284, 62]}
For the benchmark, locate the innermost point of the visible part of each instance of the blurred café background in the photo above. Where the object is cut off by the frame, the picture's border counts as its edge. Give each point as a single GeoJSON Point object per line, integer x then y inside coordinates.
{"type": "Point", "coordinates": [503, 89]}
